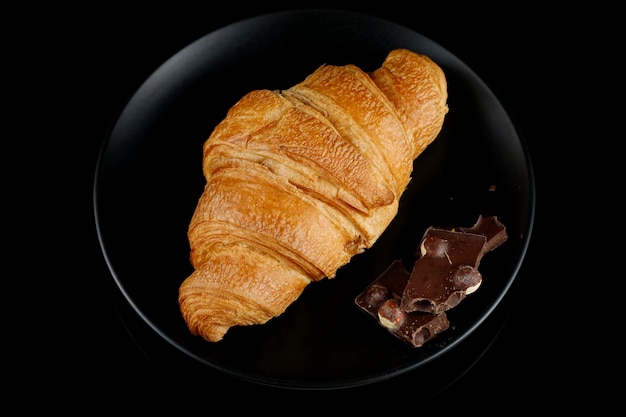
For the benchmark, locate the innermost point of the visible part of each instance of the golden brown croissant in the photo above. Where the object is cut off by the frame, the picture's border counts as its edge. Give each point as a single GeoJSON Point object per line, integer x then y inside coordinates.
{"type": "Point", "coordinates": [301, 180]}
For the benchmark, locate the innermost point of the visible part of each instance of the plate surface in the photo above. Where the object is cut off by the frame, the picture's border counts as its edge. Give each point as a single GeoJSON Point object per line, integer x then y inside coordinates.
{"type": "Point", "coordinates": [149, 179]}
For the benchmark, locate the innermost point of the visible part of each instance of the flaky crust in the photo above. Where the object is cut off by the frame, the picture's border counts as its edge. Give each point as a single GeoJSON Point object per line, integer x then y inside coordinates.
{"type": "Point", "coordinates": [299, 181]}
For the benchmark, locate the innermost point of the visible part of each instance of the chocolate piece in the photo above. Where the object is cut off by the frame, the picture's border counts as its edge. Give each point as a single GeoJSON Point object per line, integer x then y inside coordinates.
{"type": "Point", "coordinates": [492, 228]}
{"type": "Point", "coordinates": [381, 300]}
{"type": "Point", "coordinates": [412, 305]}
{"type": "Point", "coordinates": [447, 271]}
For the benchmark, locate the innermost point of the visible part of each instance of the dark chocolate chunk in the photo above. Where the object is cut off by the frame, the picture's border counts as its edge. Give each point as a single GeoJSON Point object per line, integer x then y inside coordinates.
{"type": "Point", "coordinates": [412, 305]}
{"type": "Point", "coordinates": [381, 300]}
{"type": "Point", "coordinates": [445, 272]}
{"type": "Point", "coordinates": [492, 228]}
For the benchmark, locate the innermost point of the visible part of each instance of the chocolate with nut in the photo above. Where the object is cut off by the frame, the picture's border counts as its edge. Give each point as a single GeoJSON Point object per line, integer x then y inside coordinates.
{"type": "Point", "coordinates": [447, 270]}
{"type": "Point", "coordinates": [381, 300]}
{"type": "Point", "coordinates": [412, 305]}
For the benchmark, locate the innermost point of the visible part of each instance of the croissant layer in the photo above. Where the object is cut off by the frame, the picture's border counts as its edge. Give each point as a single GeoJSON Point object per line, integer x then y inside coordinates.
{"type": "Point", "coordinates": [301, 180]}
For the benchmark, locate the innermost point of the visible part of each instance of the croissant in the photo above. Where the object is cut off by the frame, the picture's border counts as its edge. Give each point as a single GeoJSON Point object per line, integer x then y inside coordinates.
{"type": "Point", "coordinates": [298, 181]}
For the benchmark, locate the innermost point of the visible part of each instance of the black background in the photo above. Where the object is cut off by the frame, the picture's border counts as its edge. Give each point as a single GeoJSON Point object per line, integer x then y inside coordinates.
{"type": "Point", "coordinates": [71, 72]}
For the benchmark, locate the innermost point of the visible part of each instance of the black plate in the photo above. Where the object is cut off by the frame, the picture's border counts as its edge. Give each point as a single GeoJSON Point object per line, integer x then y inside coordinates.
{"type": "Point", "coordinates": [149, 179]}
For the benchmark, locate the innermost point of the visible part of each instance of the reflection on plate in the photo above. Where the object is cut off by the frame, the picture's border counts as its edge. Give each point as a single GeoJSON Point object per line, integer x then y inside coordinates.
{"type": "Point", "coordinates": [149, 180]}
{"type": "Point", "coordinates": [427, 381]}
